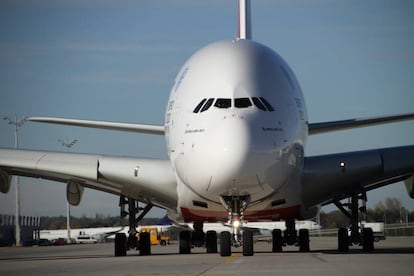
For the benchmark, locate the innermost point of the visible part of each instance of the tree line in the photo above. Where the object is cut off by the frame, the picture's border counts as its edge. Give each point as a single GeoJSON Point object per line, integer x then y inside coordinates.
{"type": "Point", "coordinates": [390, 211]}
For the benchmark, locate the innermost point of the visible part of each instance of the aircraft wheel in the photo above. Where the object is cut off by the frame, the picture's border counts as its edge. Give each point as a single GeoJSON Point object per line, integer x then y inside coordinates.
{"type": "Point", "coordinates": [343, 240]}
{"type": "Point", "coordinates": [144, 244]}
{"type": "Point", "coordinates": [367, 239]}
{"type": "Point", "coordinates": [247, 243]}
{"type": "Point", "coordinates": [132, 242]}
{"type": "Point", "coordinates": [120, 244]}
{"type": "Point", "coordinates": [211, 241]}
{"type": "Point", "coordinates": [225, 244]}
{"type": "Point", "coordinates": [304, 240]}
{"type": "Point", "coordinates": [185, 244]}
{"type": "Point", "coordinates": [277, 241]}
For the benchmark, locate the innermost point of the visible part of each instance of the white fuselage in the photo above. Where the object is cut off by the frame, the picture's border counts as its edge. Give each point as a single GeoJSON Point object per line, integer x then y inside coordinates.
{"type": "Point", "coordinates": [236, 125]}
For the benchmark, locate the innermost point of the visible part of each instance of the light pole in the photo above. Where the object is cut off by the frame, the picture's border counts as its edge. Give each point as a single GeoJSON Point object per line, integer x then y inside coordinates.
{"type": "Point", "coordinates": [16, 123]}
{"type": "Point", "coordinates": [68, 144]}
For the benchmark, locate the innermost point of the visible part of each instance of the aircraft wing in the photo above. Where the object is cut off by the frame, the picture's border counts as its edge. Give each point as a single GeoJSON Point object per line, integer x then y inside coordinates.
{"type": "Point", "coordinates": [147, 180]}
{"type": "Point", "coordinates": [318, 128]}
{"type": "Point", "coordinates": [329, 178]}
{"type": "Point", "coordinates": [148, 129]}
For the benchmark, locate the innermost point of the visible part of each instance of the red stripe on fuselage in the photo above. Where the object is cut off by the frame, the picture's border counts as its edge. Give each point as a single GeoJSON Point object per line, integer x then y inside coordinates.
{"type": "Point", "coordinates": [191, 215]}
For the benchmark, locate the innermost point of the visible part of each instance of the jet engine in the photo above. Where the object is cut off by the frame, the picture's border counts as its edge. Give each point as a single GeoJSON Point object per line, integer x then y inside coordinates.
{"type": "Point", "coordinates": [409, 184]}
{"type": "Point", "coordinates": [74, 192]}
{"type": "Point", "coordinates": [5, 181]}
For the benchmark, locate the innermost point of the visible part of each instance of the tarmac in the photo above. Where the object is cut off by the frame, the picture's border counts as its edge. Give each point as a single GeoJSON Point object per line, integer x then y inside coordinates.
{"type": "Point", "coordinates": [394, 256]}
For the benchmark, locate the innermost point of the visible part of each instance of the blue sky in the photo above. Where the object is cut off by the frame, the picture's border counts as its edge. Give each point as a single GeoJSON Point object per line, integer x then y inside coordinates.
{"type": "Point", "coordinates": [115, 60]}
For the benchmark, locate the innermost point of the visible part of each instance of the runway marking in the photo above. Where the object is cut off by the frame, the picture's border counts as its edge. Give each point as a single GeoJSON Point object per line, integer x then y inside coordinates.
{"type": "Point", "coordinates": [231, 258]}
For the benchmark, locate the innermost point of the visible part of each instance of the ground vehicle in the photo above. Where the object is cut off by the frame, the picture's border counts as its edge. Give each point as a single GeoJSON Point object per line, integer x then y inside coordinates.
{"type": "Point", "coordinates": [58, 241]}
{"type": "Point", "coordinates": [378, 232]}
{"type": "Point", "coordinates": [156, 237]}
{"type": "Point", "coordinates": [377, 229]}
{"type": "Point", "coordinates": [85, 238]}
{"type": "Point", "coordinates": [43, 242]}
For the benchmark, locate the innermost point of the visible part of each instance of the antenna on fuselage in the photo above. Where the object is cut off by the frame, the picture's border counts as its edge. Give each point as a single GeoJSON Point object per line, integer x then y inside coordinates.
{"type": "Point", "coordinates": [245, 30]}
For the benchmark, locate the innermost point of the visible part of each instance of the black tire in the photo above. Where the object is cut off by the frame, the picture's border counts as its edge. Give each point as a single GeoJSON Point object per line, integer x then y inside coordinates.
{"type": "Point", "coordinates": [120, 244]}
{"type": "Point", "coordinates": [277, 241]}
{"type": "Point", "coordinates": [185, 242]}
{"type": "Point", "coordinates": [343, 240]}
{"type": "Point", "coordinates": [132, 242]}
{"type": "Point", "coordinates": [248, 243]}
{"type": "Point", "coordinates": [225, 244]}
{"type": "Point", "coordinates": [144, 244]}
{"type": "Point", "coordinates": [211, 241]}
{"type": "Point", "coordinates": [304, 240]}
{"type": "Point", "coordinates": [367, 239]}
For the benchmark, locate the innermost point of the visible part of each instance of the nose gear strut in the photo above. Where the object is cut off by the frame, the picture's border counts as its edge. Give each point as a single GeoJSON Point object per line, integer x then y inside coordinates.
{"type": "Point", "coordinates": [235, 206]}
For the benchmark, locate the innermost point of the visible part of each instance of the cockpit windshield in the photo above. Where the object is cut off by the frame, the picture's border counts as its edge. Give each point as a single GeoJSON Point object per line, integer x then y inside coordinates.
{"type": "Point", "coordinates": [258, 103]}
{"type": "Point", "coordinates": [207, 105]}
{"type": "Point", "coordinates": [242, 102]}
{"type": "Point", "coordinates": [221, 103]}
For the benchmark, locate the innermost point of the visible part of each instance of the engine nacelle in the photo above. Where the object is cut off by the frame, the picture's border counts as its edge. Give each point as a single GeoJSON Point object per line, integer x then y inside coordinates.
{"type": "Point", "coordinates": [409, 184]}
{"type": "Point", "coordinates": [74, 192]}
{"type": "Point", "coordinates": [309, 213]}
{"type": "Point", "coordinates": [5, 181]}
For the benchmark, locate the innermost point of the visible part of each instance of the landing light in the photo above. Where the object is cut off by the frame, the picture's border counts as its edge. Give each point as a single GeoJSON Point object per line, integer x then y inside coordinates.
{"type": "Point", "coordinates": [342, 165]}
{"type": "Point", "coordinates": [236, 224]}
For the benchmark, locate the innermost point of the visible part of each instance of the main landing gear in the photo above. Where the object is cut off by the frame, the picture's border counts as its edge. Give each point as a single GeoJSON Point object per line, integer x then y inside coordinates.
{"type": "Point", "coordinates": [135, 214]}
{"type": "Point", "coordinates": [290, 237]}
{"type": "Point", "coordinates": [197, 238]}
{"type": "Point", "coordinates": [356, 235]}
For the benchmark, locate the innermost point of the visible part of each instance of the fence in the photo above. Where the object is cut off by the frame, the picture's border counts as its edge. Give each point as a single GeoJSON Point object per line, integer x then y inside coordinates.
{"type": "Point", "coordinates": [390, 230]}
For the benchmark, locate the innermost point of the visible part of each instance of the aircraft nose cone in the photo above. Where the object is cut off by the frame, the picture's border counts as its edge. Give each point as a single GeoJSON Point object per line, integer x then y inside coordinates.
{"type": "Point", "coordinates": [231, 148]}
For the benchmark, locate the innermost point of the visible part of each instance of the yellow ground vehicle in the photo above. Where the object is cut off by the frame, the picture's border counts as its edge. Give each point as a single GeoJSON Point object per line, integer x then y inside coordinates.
{"type": "Point", "coordinates": [155, 236]}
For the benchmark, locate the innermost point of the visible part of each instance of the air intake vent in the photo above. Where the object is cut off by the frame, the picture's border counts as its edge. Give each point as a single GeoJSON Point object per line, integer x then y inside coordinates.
{"type": "Point", "coordinates": [200, 204]}
{"type": "Point", "coordinates": [278, 202]}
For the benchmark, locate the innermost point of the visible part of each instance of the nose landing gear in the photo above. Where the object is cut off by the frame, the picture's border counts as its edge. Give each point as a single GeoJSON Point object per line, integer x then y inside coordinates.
{"type": "Point", "coordinates": [235, 206]}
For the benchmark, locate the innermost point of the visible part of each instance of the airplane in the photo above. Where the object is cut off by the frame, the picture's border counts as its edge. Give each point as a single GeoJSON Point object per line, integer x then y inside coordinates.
{"type": "Point", "coordinates": [235, 127]}
{"type": "Point", "coordinates": [97, 234]}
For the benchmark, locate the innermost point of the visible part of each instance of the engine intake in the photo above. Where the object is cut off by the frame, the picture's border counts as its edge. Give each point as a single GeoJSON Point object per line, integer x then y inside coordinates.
{"type": "Point", "coordinates": [5, 181]}
{"type": "Point", "coordinates": [409, 184]}
{"type": "Point", "coordinates": [74, 192]}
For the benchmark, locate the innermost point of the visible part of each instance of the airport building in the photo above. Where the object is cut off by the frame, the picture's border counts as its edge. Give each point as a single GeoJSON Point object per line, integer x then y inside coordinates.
{"type": "Point", "coordinates": [29, 230]}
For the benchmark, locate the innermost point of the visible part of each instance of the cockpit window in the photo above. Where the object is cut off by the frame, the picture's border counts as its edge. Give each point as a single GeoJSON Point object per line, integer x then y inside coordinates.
{"type": "Point", "coordinates": [242, 102]}
{"type": "Point", "coordinates": [198, 107]}
{"type": "Point", "coordinates": [223, 103]}
{"type": "Point", "coordinates": [207, 105]}
{"type": "Point", "coordinates": [258, 103]}
{"type": "Point", "coordinates": [267, 104]}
